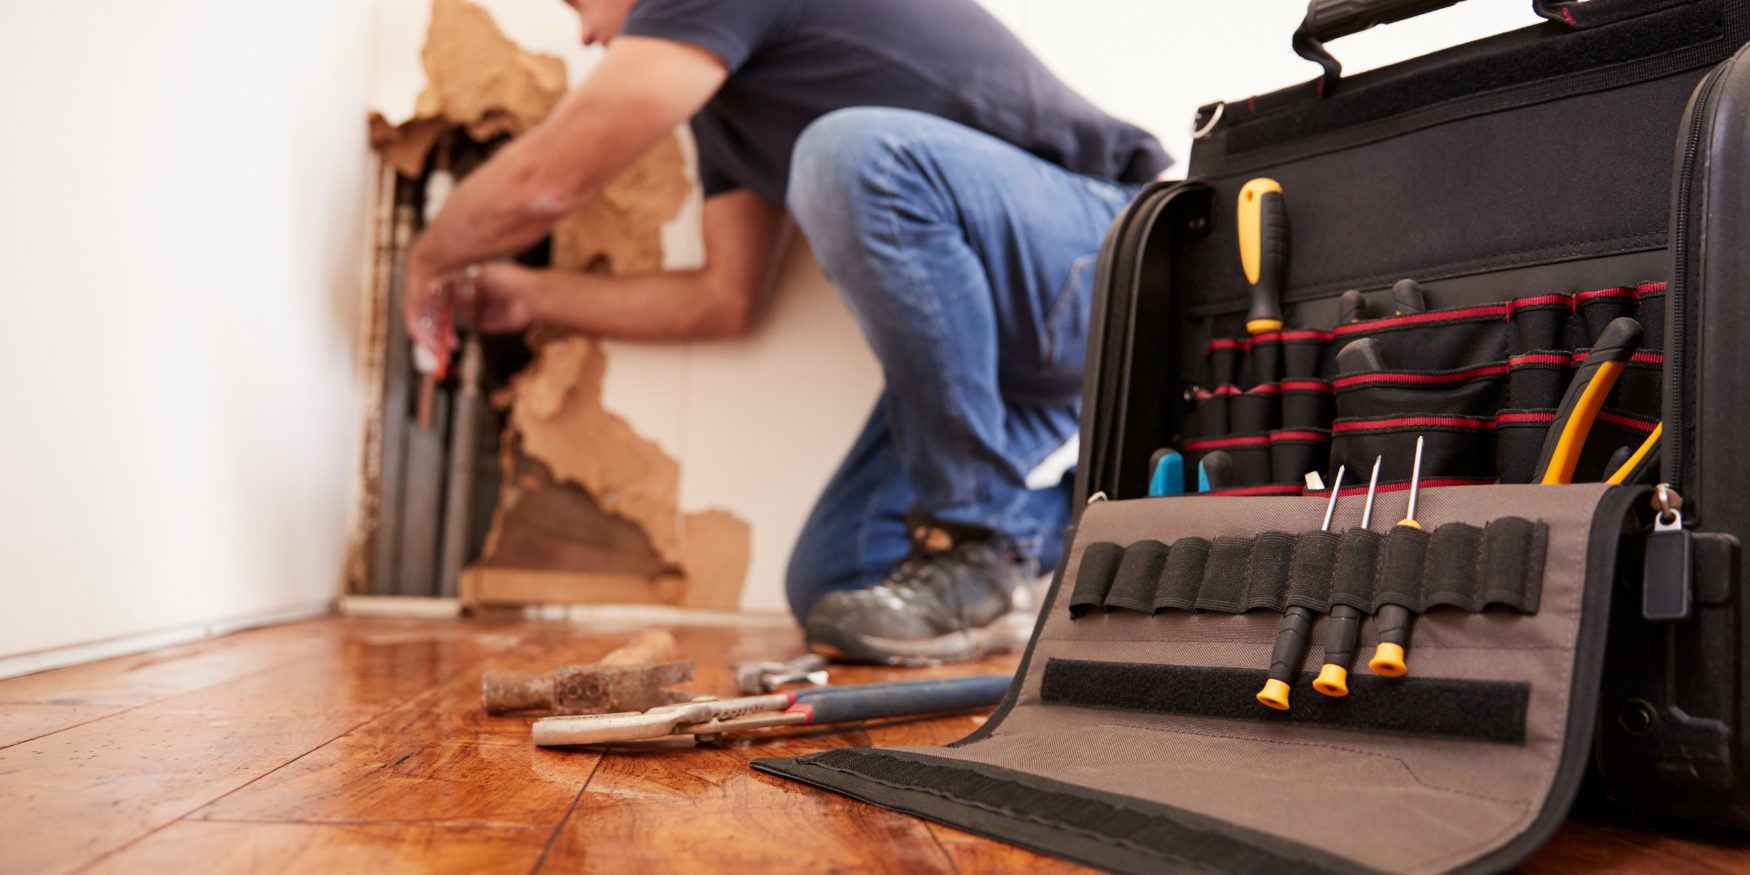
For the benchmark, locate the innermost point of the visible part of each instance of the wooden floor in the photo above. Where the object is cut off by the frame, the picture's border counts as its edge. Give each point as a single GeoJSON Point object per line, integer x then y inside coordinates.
{"type": "Point", "coordinates": [358, 745]}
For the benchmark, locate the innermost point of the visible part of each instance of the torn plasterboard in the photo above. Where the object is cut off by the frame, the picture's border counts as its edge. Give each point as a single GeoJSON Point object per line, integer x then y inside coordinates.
{"type": "Point", "coordinates": [476, 78]}
{"type": "Point", "coordinates": [557, 419]}
{"type": "Point", "coordinates": [622, 225]}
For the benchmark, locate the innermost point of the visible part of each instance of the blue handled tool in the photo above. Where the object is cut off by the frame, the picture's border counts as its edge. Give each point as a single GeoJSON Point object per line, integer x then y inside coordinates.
{"type": "Point", "coordinates": [706, 718]}
{"type": "Point", "coordinates": [1166, 472]}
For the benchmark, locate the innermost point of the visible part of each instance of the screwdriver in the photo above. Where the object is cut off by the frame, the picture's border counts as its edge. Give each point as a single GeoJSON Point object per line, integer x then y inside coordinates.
{"type": "Point", "coordinates": [1263, 216]}
{"type": "Point", "coordinates": [1579, 408]}
{"type": "Point", "coordinates": [1166, 472]}
{"type": "Point", "coordinates": [1351, 308]}
{"type": "Point", "coordinates": [1345, 625]}
{"type": "Point", "coordinates": [1215, 471]}
{"type": "Point", "coordinates": [1394, 620]}
{"type": "Point", "coordinates": [1295, 633]}
{"type": "Point", "coordinates": [1407, 296]}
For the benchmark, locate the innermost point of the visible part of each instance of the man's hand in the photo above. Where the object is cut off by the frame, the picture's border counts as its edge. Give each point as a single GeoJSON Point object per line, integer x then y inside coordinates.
{"type": "Point", "coordinates": [639, 91]}
{"type": "Point", "coordinates": [506, 296]}
{"type": "Point", "coordinates": [427, 306]}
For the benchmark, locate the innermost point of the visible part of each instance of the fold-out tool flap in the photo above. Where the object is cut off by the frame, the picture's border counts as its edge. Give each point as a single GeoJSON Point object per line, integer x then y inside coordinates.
{"type": "Point", "coordinates": [1136, 739]}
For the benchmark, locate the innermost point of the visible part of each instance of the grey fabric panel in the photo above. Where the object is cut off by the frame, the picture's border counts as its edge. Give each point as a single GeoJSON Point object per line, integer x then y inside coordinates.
{"type": "Point", "coordinates": [1411, 805]}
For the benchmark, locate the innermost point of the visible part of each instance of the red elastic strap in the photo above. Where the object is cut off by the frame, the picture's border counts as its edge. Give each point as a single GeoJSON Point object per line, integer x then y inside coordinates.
{"type": "Point", "coordinates": [1639, 425]}
{"type": "Point", "coordinates": [1540, 358]}
{"type": "Point", "coordinates": [1386, 377]}
{"type": "Point", "coordinates": [1526, 417]}
{"type": "Point", "coordinates": [1266, 337]}
{"type": "Point", "coordinates": [1538, 300]}
{"type": "Point", "coordinates": [1298, 436]}
{"type": "Point", "coordinates": [1305, 334]}
{"type": "Point", "coordinates": [1305, 386]}
{"type": "Point", "coordinates": [1490, 311]}
{"type": "Point", "coordinates": [1426, 483]}
{"type": "Point", "coordinates": [1278, 489]}
{"type": "Point", "coordinates": [1225, 343]}
{"type": "Point", "coordinates": [1619, 292]}
{"type": "Point", "coordinates": [1265, 389]}
{"type": "Point", "coordinates": [1407, 421]}
{"type": "Point", "coordinates": [1223, 443]}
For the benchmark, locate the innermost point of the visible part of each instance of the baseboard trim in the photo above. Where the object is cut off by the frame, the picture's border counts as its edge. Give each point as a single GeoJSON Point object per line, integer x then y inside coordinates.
{"type": "Point", "coordinates": [74, 654]}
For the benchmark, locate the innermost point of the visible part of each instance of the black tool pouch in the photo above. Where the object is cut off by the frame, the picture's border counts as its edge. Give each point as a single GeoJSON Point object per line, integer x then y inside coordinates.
{"type": "Point", "coordinates": [1134, 740]}
{"type": "Point", "coordinates": [1526, 182]}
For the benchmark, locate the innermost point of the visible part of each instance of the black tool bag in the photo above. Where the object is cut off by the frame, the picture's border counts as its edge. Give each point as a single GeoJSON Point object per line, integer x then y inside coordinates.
{"type": "Point", "coordinates": [1527, 184]}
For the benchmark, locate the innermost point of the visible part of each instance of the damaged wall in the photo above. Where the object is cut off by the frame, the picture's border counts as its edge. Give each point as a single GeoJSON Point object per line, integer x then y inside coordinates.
{"type": "Point", "coordinates": [707, 407]}
{"type": "Point", "coordinates": [619, 533]}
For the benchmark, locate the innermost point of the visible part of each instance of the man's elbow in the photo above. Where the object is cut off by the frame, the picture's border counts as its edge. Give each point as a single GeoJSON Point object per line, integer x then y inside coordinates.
{"type": "Point", "coordinates": [551, 194]}
{"type": "Point", "coordinates": [732, 313]}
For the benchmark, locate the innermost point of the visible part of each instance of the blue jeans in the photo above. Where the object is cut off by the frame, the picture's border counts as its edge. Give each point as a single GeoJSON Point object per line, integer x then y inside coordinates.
{"type": "Point", "coordinates": [969, 266]}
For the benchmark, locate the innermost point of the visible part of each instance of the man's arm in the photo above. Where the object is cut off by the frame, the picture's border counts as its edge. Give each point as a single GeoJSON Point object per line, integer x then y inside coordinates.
{"type": "Point", "coordinates": [641, 89]}
{"type": "Point", "coordinates": [718, 300]}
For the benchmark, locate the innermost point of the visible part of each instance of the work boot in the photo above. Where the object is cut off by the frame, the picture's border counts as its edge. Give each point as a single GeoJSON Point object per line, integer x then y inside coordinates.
{"type": "Point", "coordinates": [960, 593]}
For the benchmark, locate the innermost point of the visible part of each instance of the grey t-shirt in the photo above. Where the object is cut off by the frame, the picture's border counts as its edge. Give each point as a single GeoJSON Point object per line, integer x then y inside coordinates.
{"type": "Point", "coordinates": [793, 61]}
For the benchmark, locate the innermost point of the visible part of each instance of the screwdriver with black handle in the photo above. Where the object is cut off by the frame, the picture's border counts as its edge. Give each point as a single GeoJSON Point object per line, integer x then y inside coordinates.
{"type": "Point", "coordinates": [1344, 628]}
{"type": "Point", "coordinates": [1394, 620]}
{"type": "Point", "coordinates": [1263, 216]}
{"type": "Point", "coordinates": [1607, 359]}
{"type": "Point", "coordinates": [1295, 633]}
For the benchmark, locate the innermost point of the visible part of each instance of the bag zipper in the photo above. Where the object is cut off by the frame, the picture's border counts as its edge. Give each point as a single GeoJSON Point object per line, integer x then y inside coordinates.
{"type": "Point", "coordinates": [1676, 342]}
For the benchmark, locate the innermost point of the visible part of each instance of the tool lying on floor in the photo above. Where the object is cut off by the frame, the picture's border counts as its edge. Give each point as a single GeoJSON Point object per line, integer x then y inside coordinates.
{"type": "Point", "coordinates": [1263, 217]}
{"type": "Point", "coordinates": [1607, 359]}
{"type": "Point", "coordinates": [1394, 620]}
{"type": "Point", "coordinates": [753, 678]}
{"type": "Point", "coordinates": [1295, 633]}
{"type": "Point", "coordinates": [1344, 626]}
{"type": "Point", "coordinates": [631, 678]}
{"type": "Point", "coordinates": [707, 718]}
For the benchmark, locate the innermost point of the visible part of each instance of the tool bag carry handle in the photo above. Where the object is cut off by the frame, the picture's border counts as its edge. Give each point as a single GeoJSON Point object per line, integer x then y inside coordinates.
{"type": "Point", "coordinates": [1327, 20]}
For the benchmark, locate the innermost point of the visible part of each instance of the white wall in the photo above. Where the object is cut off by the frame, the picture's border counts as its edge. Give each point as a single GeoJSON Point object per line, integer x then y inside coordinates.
{"type": "Point", "coordinates": [181, 239]}
{"type": "Point", "coordinates": [1153, 62]}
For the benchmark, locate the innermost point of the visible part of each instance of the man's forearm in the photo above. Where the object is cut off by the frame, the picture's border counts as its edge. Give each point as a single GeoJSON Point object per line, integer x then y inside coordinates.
{"type": "Point", "coordinates": [676, 305]}
{"type": "Point", "coordinates": [500, 209]}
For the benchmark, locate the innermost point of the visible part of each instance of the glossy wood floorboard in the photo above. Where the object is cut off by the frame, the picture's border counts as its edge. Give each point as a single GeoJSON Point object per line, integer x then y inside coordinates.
{"type": "Point", "coordinates": [357, 745]}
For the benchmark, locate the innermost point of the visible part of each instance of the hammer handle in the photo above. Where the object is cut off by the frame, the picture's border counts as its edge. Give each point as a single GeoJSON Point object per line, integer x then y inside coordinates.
{"type": "Point", "coordinates": [649, 647]}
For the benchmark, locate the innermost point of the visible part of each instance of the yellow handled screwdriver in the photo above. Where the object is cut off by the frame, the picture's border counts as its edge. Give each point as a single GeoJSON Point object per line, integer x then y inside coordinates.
{"type": "Point", "coordinates": [1264, 251]}
{"type": "Point", "coordinates": [1344, 628]}
{"type": "Point", "coordinates": [1605, 362]}
{"type": "Point", "coordinates": [1395, 620]}
{"type": "Point", "coordinates": [1295, 633]}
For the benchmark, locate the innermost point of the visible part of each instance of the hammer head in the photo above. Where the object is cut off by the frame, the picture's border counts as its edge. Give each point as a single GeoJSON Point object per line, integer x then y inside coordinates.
{"type": "Point", "coordinates": [611, 689]}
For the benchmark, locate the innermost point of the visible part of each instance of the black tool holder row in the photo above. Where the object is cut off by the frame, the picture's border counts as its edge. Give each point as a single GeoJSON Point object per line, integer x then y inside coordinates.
{"type": "Point", "coordinates": [1479, 383]}
{"type": "Point", "coordinates": [1455, 565]}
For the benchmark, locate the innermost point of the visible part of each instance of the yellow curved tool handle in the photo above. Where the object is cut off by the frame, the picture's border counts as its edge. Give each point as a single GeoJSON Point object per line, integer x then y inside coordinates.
{"type": "Point", "coordinates": [1579, 425]}
{"type": "Point", "coordinates": [1634, 460]}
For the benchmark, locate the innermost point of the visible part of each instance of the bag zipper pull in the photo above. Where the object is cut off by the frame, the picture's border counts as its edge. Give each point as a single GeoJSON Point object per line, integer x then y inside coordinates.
{"type": "Point", "coordinates": [1668, 571]}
